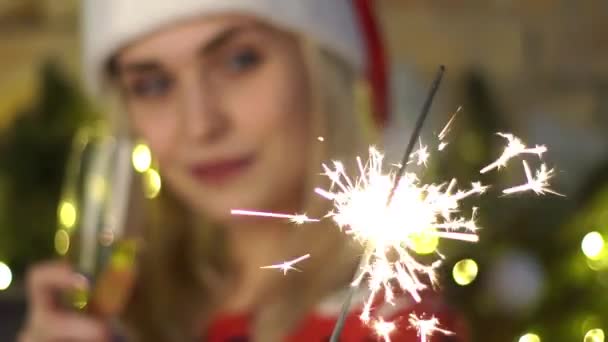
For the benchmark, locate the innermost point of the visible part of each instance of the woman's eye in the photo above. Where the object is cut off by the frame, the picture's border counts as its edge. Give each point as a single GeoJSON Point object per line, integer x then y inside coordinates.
{"type": "Point", "coordinates": [150, 87]}
{"type": "Point", "coordinates": [243, 60]}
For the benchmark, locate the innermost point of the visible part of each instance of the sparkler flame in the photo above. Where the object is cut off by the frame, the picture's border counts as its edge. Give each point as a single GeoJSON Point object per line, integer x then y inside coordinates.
{"type": "Point", "coordinates": [389, 231]}
{"type": "Point", "coordinates": [384, 329]}
{"type": "Point", "coordinates": [427, 327]}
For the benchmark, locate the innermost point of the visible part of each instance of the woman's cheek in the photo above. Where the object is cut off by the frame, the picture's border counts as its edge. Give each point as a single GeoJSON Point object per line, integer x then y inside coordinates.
{"type": "Point", "coordinates": [264, 112]}
{"type": "Point", "coordinates": [160, 137]}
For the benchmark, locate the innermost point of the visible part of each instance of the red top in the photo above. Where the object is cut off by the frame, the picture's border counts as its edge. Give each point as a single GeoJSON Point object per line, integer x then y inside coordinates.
{"type": "Point", "coordinates": [318, 325]}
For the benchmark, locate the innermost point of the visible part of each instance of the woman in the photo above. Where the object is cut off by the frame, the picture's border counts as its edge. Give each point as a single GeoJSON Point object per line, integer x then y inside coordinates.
{"type": "Point", "coordinates": [231, 97]}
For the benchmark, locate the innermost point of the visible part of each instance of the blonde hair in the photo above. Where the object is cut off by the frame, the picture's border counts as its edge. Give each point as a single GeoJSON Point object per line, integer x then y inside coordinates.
{"type": "Point", "coordinates": [182, 268]}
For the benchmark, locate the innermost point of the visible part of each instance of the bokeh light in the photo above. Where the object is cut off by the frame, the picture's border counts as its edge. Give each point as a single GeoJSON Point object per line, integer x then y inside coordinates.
{"type": "Point", "coordinates": [590, 322]}
{"type": "Point", "coordinates": [594, 335]}
{"type": "Point", "coordinates": [465, 271]}
{"type": "Point", "coordinates": [529, 337]}
{"type": "Point", "coordinates": [141, 158]}
{"type": "Point", "coordinates": [6, 276]}
{"type": "Point", "coordinates": [425, 242]}
{"type": "Point", "coordinates": [592, 245]}
{"type": "Point", "coordinates": [62, 241]}
{"type": "Point", "coordinates": [67, 214]}
{"type": "Point", "coordinates": [80, 298]}
{"type": "Point", "coordinates": [152, 183]}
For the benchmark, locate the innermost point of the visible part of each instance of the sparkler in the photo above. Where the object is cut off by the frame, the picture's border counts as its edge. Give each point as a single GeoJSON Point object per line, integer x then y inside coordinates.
{"type": "Point", "coordinates": [287, 265]}
{"type": "Point", "coordinates": [364, 265]}
{"type": "Point", "coordinates": [427, 327]}
{"type": "Point", "coordinates": [386, 211]}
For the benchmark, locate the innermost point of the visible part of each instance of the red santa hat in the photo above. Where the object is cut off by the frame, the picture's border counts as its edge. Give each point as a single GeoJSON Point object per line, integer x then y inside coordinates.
{"type": "Point", "coordinates": [346, 27]}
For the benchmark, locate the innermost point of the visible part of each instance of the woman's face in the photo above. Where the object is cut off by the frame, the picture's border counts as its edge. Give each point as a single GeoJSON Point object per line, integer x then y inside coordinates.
{"type": "Point", "coordinates": [224, 104]}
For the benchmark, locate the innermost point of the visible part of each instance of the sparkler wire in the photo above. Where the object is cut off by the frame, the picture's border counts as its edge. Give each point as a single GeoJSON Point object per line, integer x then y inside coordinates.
{"type": "Point", "coordinates": [408, 151]}
{"type": "Point", "coordinates": [417, 130]}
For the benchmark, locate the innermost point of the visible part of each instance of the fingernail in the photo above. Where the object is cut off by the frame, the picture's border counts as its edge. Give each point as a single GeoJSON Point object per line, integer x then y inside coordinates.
{"type": "Point", "coordinates": [81, 281]}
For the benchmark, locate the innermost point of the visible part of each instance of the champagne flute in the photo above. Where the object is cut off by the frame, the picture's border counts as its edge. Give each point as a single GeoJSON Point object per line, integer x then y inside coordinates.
{"type": "Point", "coordinates": [99, 214]}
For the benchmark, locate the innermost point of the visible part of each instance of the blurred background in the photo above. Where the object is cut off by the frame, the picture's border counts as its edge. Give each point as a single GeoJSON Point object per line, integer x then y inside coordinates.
{"type": "Point", "coordinates": [538, 69]}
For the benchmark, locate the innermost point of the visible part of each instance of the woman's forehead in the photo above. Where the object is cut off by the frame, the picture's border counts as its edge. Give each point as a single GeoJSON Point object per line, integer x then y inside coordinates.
{"type": "Point", "coordinates": [189, 38]}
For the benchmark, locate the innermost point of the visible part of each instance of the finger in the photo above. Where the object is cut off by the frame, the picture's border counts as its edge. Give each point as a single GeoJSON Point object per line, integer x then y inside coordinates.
{"type": "Point", "coordinates": [112, 289]}
{"type": "Point", "coordinates": [72, 327]}
{"type": "Point", "coordinates": [45, 280]}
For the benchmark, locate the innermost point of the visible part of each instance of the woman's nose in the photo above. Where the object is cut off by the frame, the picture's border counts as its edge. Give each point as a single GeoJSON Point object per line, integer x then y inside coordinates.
{"type": "Point", "coordinates": [203, 119]}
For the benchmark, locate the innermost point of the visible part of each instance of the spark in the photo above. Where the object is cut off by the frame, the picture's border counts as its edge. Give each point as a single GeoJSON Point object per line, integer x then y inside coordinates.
{"type": "Point", "coordinates": [539, 184]}
{"type": "Point", "coordinates": [446, 129]}
{"type": "Point", "coordinates": [427, 327]}
{"type": "Point", "coordinates": [514, 148]}
{"type": "Point", "coordinates": [297, 219]}
{"type": "Point", "coordinates": [286, 266]}
{"type": "Point", "coordinates": [384, 329]}
{"type": "Point", "coordinates": [422, 154]}
{"type": "Point", "coordinates": [320, 138]}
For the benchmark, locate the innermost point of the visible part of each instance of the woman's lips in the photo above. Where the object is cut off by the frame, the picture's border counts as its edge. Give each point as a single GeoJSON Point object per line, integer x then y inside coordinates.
{"type": "Point", "coordinates": [220, 171]}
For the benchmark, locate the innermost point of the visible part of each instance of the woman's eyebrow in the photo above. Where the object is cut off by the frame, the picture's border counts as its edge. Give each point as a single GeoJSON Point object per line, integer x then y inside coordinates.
{"type": "Point", "coordinates": [225, 36]}
{"type": "Point", "coordinates": [140, 67]}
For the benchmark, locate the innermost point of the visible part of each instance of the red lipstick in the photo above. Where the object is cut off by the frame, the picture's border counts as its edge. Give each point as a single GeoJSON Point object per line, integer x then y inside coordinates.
{"type": "Point", "coordinates": [219, 171]}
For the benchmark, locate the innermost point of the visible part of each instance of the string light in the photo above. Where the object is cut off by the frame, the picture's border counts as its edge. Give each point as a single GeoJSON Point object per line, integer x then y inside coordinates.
{"type": "Point", "coordinates": [594, 335]}
{"type": "Point", "coordinates": [425, 242]}
{"type": "Point", "coordinates": [529, 337]}
{"type": "Point", "coordinates": [152, 183]}
{"type": "Point", "coordinates": [6, 276]}
{"type": "Point", "coordinates": [67, 214]}
{"type": "Point", "coordinates": [141, 158]}
{"type": "Point", "coordinates": [465, 271]}
{"type": "Point", "coordinates": [62, 242]}
{"type": "Point", "coordinates": [593, 245]}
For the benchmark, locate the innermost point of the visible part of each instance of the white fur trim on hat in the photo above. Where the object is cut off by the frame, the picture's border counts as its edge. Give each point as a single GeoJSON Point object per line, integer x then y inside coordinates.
{"type": "Point", "coordinates": [111, 24]}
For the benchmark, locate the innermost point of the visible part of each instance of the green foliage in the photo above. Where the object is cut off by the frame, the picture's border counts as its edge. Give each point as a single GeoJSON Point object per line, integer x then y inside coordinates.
{"type": "Point", "coordinates": [33, 154]}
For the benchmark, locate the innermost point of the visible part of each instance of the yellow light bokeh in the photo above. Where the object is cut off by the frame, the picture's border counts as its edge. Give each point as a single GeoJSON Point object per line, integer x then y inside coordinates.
{"type": "Point", "coordinates": [593, 245]}
{"type": "Point", "coordinates": [425, 242]}
{"type": "Point", "coordinates": [529, 337]}
{"type": "Point", "coordinates": [67, 214]}
{"type": "Point", "coordinates": [589, 323]}
{"type": "Point", "coordinates": [6, 276]}
{"type": "Point", "coordinates": [594, 335]}
{"type": "Point", "coordinates": [62, 241]}
{"type": "Point", "coordinates": [152, 183]}
{"type": "Point", "coordinates": [141, 158]}
{"type": "Point", "coordinates": [465, 271]}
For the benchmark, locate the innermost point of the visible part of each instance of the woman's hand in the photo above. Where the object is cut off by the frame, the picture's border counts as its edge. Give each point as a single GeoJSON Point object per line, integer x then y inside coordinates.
{"type": "Point", "coordinates": [46, 319]}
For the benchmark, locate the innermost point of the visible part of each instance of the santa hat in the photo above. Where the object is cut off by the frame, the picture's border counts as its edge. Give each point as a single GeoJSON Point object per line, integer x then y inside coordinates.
{"type": "Point", "coordinates": [346, 27]}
